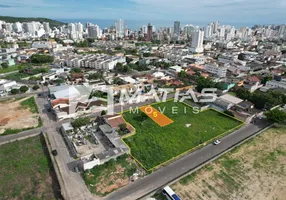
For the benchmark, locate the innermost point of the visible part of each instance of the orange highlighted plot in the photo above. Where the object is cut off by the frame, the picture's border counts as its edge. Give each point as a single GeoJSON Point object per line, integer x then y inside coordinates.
{"type": "Point", "coordinates": [156, 116]}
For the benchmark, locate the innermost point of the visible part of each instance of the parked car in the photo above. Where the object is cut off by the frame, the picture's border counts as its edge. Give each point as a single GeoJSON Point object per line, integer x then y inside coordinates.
{"type": "Point", "coordinates": [217, 142]}
{"type": "Point", "coordinates": [54, 152]}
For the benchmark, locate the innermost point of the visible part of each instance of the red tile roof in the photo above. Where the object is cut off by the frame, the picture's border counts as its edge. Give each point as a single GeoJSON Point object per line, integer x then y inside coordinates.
{"type": "Point", "coordinates": [59, 101]}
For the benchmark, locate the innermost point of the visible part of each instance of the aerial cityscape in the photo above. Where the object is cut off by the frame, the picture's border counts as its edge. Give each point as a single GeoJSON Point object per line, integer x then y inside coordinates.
{"type": "Point", "coordinates": [144, 106]}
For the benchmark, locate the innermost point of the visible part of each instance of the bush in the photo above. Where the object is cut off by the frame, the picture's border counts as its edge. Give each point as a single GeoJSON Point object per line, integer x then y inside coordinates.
{"type": "Point", "coordinates": [36, 87]}
{"type": "Point", "coordinates": [103, 112]}
{"type": "Point", "coordinates": [122, 127]}
{"type": "Point", "coordinates": [75, 70]}
{"type": "Point", "coordinates": [80, 122]}
{"type": "Point", "coordinates": [14, 91]}
{"type": "Point", "coordinates": [24, 89]}
{"type": "Point", "coordinates": [4, 65]}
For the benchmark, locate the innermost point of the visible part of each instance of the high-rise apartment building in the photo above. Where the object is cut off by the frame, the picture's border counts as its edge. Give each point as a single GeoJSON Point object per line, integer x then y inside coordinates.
{"type": "Point", "coordinates": [120, 28]}
{"type": "Point", "coordinates": [46, 27]}
{"type": "Point", "coordinates": [149, 32]}
{"type": "Point", "coordinates": [197, 42]}
{"type": "Point", "coordinates": [177, 28]}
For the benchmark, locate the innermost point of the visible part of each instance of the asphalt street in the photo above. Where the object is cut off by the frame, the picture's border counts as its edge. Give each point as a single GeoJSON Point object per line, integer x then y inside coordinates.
{"type": "Point", "coordinates": [74, 186]}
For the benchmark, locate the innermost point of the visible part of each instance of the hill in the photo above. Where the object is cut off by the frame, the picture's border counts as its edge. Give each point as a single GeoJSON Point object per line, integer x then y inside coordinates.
{"type": "Point", "coordinates": [53, 23]}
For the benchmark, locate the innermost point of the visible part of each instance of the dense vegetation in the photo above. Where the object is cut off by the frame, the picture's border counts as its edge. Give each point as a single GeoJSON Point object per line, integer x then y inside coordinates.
{"type": "Point", "coordinates": [79, 122]}
{"type": "Point", "coordinates": [21, 74]}
{"type": "Point", "coordinates": [4, 44]}
{"type": "Point", "coordinates": [41, 58]}
{"type": "Point", "coordinates": [262, 100]}
{"type": "Point", "coordinates": [127, 68]}
{"type": "Point", "coordinates": [277, 116]}
{"type": "Point", "coordinates": [153, 145]}
{"type": "Point", "coordinates": [53, 23]}
{"type": "Point", "coordinates": [11, 68]}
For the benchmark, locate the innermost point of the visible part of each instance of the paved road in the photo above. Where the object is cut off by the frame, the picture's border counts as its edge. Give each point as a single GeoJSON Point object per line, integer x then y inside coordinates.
{"type": "Point", "coordinates": [23, 135]}
{"type": "Point", "coordinates": [165, 175]}
{"type": "Point", "coordinates": [74, 186]}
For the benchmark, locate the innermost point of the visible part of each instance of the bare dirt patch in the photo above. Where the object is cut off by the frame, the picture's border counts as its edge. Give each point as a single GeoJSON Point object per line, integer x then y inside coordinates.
{"type": "Point", "coordinates": [14, 116]}
{"type": "Point", "coordinates": [255, 170]}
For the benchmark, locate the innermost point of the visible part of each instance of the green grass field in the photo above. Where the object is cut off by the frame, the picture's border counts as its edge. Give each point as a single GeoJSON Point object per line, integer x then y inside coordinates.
{"type": "Point", "coordinates": [26, 171]}
{"type": "Point", "coordinates": [31, 104]}
{"type": "Point", "coordinates": [153, 145]}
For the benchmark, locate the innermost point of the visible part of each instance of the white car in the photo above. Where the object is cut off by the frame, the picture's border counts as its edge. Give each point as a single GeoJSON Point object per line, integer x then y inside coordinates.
{"type": "Point", "coordinates": [217, 142]}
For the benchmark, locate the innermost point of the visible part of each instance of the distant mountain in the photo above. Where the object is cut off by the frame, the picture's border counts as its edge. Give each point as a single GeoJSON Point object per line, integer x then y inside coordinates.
{"type": "Point", "coordinates": [53, 23]}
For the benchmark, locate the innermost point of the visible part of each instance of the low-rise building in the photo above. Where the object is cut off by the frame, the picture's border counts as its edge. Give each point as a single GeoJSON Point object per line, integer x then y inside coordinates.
{"type": "Point", "coordinates": [276, 84]}
{"type": "Point", "coordinates": [216, 69]}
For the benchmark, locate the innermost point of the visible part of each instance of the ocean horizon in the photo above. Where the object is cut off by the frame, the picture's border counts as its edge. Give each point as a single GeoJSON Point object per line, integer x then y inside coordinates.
{"type": "Point", "coordinates": [137, 24]}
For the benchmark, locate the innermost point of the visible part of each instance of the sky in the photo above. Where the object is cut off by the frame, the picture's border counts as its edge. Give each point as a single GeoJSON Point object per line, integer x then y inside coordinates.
{"type": "Point", "coordinates": [233, 11]}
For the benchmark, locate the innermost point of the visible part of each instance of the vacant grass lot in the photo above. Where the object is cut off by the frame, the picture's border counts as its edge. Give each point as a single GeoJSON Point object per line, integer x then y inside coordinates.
{"type": "Point", "coordinates": [153, 145]}
{"type": "Point", "coordinates": [9, 69]}
{"type": "Point", "coordinates": [254, 170]}
{"type": "Point", "coordinates": [26, 171]}
{"type": "Point", "coordinates": [110, 176]}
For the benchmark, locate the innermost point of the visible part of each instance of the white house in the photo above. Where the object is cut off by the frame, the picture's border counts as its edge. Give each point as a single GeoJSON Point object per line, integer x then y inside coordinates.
{"type": "Point", "coordinates": [7, 86]}
{"type": "Point", "coordinates": [89, 161]}
{"type": "Point", "coordinates": [216, 69]}
{"type": "Point", "coordinates": [176, 69]}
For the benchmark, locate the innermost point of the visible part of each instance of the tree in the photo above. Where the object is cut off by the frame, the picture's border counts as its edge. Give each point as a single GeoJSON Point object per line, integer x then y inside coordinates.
{"type": "Point", "coordinates": [95, 76]}
{"type": "Point", "coordinates": [120, 68]}
{"type": "Point", "coordinates": [276, 115]}
{"type": "Point", "coordinates": [24, 89]}
{"type": "Point", "coordinates": [14, 91]}
{"type": "Point", "coordinates": [204, 83]}
{"type": "Point", "coordinates": [119, 48]}
{"type": "Point", "coordinates": [243, 93]}
{"type": "Point", "coordinates": [41, 58]}
{"type": "Point", "coordinates": [103, 112]}
{"type": "Point", "coordinates": [129, 60]}
{"type": "Point", "coordinates": [182, 74]}
{"type": "Point", "coordinates": [75, 70]}
{"type": "Point", "coordinates": [4, 65]}
{"type": "Point", "coordinates": [79, 122]}
{"type": "Point", "coordinates": [35, 87]}
{"type": "Point", "coordinates": [241, 56]}
{"type": "Point", "coordinates": [122, 127]}
{"type": "Point", "coordinates": [266, 79]}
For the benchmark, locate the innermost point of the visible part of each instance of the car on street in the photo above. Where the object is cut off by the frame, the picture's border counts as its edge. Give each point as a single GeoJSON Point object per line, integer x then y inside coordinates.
{"type": "Point", "coordinates": [54, 152]}
{"type": "Point", "coordinates": [217, 142]}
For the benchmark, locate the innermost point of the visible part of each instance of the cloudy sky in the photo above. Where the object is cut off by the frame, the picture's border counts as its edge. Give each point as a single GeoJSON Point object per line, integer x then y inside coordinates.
{"type": "Point", "coordinates": [236, 11]}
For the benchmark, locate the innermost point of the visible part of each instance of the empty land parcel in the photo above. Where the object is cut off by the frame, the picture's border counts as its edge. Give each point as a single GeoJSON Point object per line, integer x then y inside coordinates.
{"type": "Point", "coordinates": [26, 171]}
{"type": "Point", "coordinates": [254, 170]}
{"type": "Point", "coordinates": [17, 115]}
{"type": "Point", "coordinates": [153, 145]}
